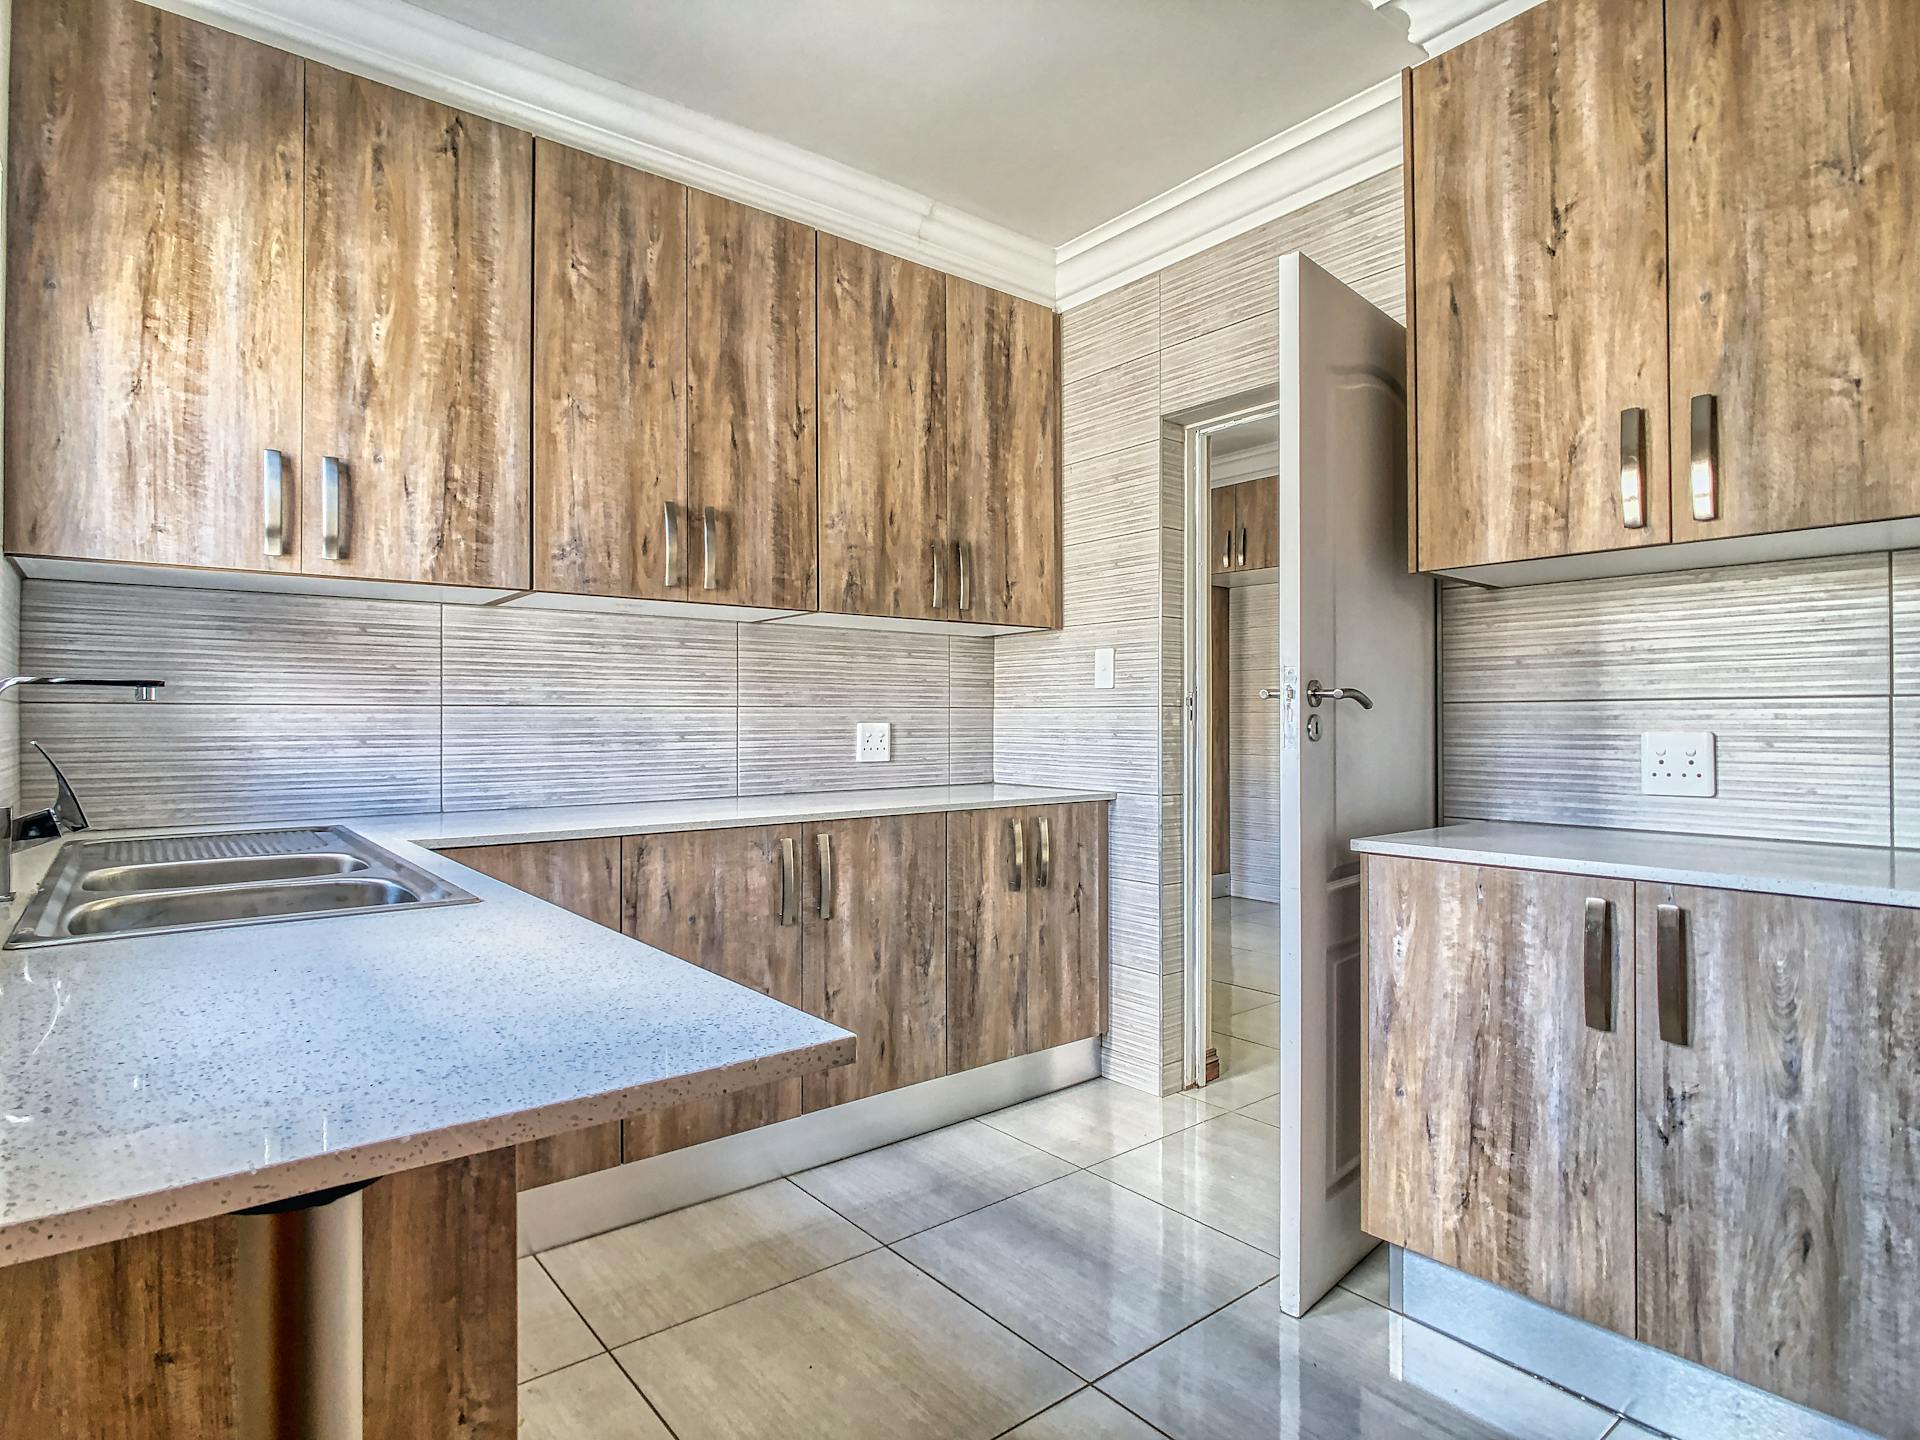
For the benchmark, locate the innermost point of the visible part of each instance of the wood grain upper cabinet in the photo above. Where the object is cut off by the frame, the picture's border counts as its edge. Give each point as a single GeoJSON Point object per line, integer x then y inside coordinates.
{"type": "Point", "coordinates": [1003, 446]}
{"type": "Point", "coordinates": [1500, 1078]}
{"type": "Point", "coordinates": [1026, 928]}
{"type": "Point", "coordinates": [609, 379]}
{"type": "Point", "coordinates": [1795, 184]}
{"type": "Point", "coordinates": [883, 436]}
{"type": "Point", "coordinates": [750, 406]}
{"type": "Point", "coordinates": [1779, 1044]}
{"type": "Point", "coordinates": [728, 901]}
{"type": "Point", "coordinates": [1259, 505]}
{"type": "Point", "coordinates": [1538, 286]}
{"type": "Point", "coordinates": [154, 289]}
{"type": "Point", "coordinates": [876, 947]}
{"type": "Point", "coordinates": [1224, 507]}
{"type": "Point", "coordinates": [418, 339]}
{"type": "Point", "coordinates": [582, 876]}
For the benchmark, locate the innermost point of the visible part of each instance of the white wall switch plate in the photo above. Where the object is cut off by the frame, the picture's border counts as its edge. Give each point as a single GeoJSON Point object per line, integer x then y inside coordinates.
{"type": "Point", "coordinates": [1103, 668]}
{"type": "Point", "coordinates": [1677, 762]}
{"type": "Point", "coordinates": [873, 741]}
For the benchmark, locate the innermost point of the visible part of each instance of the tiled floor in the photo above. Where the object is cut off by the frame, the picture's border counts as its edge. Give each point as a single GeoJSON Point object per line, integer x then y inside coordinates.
{"type": "Point", "coordinates": [1246, 1007]}
{"type": "Point", "coordinates": [1093, 1264]}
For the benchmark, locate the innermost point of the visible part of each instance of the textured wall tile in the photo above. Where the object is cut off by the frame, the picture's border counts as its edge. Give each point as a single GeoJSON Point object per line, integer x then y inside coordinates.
{"type": "Point", "coordinates": [500, 655]}
{"type": "Point", "coordinates": [1102, 749]}
{"type": "Point", "coordinates": [971, 746]}
{"type": "Point", "coordinates": [10, 665]}
{"type": "Point", "coordinates": [1113, 410]}
{"type": "Point", "coordinates": [498, 756]}
{"type": "Point", "coordinates": [970, 666]}
{"type": "Point", "coordinates": [1111, 495]}
{"type": "Point", "coordinates": [1906, 622]}
{"type": "Point", "coordinates": [1173, 571]}
{"type": "Point", "coordinates": [1802, 627]}
{"type": "Point", "coordinates": [805, 665]}
{"type": "Point", "coordinates": [1143, 838]}
{"type": "Point", "coordinates": [1119, 326]}
{"type": "Point", "coordinates": [1133, 923]}
{"type": "Point", "coordinates": [214, 647]}
{"type": "Point", "coordinates": [788, 749]}
{"type": "Point", "coordinates": [1111, 580]}
{"type": "Point", "coordinates": [136, 765]}
{"type": "Point", "coordinates": [1791, 769]}
{"type": "Point", "coordinates": [1053, 669]}
{"type": "Point", "coordinates": [1173, 476]}
{"type": "Point", "coordinates": [1221, 363]}
{"type": "Point", "coordinates": [1253, 788]}
{"type": "Point", "coordinates": [1906, 772]}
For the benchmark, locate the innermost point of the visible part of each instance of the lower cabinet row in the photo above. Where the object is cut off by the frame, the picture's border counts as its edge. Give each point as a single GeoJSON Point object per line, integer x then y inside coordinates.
{"type": "Point", "coordinates": [943, 941]}
{"type": "Point", "coordinates": [1689, 1115]}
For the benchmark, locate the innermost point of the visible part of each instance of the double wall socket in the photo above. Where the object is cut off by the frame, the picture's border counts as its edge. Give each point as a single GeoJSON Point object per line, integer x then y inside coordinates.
{"type": "Point", "coordinates": [872, 741]}
{"type": "Point", "coordinates": [1677, 762]}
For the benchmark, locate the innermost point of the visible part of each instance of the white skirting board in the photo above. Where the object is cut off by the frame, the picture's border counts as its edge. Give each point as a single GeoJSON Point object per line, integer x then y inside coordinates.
{"type": "Point", "coordinates": [571, 1210]}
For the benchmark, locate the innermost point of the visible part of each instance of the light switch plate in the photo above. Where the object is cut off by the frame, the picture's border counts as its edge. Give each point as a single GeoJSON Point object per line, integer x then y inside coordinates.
{"type": "Point", "coordinates": [1678, 762]}
{"type": "Point", "coordinates": [1103, 668]}
{"type": "Point", "coordinates": [872, 741]}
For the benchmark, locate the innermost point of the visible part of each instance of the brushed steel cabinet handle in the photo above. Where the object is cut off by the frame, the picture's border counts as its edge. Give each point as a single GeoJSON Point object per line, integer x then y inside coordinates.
{"type": "Point", "coordinates": [708, 521]}
{"type": "Point", "coordinates": [670, 530]}
{"type": "Point", "coordinates": [1705, 475]}
{"type": "Point", "coordinates": [1043, 872]}
{"type": "Point", "coordinates": [963, 568]}
{"type": "Point", "coordinates": [825, 842]}
{"type": "Point", "coordinates": [1019, 853]}
{"type": "Point", "coordinates": [1670, 976]}
{"type": "Point", "coordinates": [1243, 547]}
{"type": "Point", "coordinates": [939, 577]}
{"type": "Point", "coordinates": [1599, 964]}
{"type": "Point", "coordinates": [1633, 469]}
{"type": "Point", "coordinates": [273, 496]}
{"type": "Point", "coordinates": [789, 890]}
{"type": "Point", "coordinates": [1226, 551]}
{"type": "Point", "coordinates": [334, 520]}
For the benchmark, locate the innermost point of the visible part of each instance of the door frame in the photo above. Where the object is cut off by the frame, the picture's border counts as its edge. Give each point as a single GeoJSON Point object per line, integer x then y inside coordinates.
{"type": "Point", "coordinates": [1196, 813]}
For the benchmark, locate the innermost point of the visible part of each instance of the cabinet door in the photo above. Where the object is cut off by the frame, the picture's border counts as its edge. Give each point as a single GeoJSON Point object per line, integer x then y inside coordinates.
{"type": "Point", "coordinates": [883, 436]}
{"type": "Point", "coordinates": [153, 288]}
{"type": "Point", "coordinates": [418, 339]}
{"type": "Point", "coordinates": [609, 379]}
{"type": "Point", "coordinates": [717, 899]}
{"type": "Point", "coordinates": [987, 935]}
{"type": "Point", "coordinates": [1003, 442]}
{"type": "Point", "coordinates": [750, 398]}
{"type": "Point", "coordinates": [1795, 184]}
{"type": "Point", "coordinates": [1224, 500]}
{"type": "Point", "coordinates": [582, 876]}
{"type": "Point", "coordinates": [876, 950]}
{"type": "Point", "coordinates": [1537, 194]}
{"type": "Point", "coordinates": [1065, 994]}
{"type": "Point", "coordinates": [1259, 506]}
{"type": "Point", "coordinates": [1779, 1162]}
{"type": "Point", "coordinates": [1499, 1131]}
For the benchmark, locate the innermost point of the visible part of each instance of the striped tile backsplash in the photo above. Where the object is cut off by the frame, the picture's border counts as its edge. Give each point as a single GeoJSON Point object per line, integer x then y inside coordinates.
{"type": "Point", "coordinates": [283, 707]}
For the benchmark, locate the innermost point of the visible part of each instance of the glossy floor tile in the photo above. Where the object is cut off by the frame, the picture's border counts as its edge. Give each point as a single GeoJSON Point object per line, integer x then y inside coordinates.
{"type": "Point", "coordinates": [592, 1400]}
{"type": "Point", "coordinates": [661, 1272]}
{"type": "Point", "coordinates": [1247, 967]}
{"type": "Point", "coordinates": [1089, 1415]}
{"type": "Point", "coordinates": [871, 1349]}
{"type": "Point", "coordinates": [1087, 1270]}
{"type": "Point", "coordinates": [1096, 1121]}
{"type": "Point", "coordinates": [1248, 1072]}
{"type": "Point", "coordinates": [1348, 1371]}
{"type": "Point", "coordinates": [897, 1191]}
{"type": "Point", "coordinates": [1224, 1173]}
{"type": "Point", "coordinates": [1260, 1025]}
{"type": "Point", "coordinates": [1266, 1111]}
{"type": "Point", "coordinates": [552, 1334]}
{"type": "Point", "coordinates": [1232, 999]}
{"type": "Point", "coordinates": [1372, 1278]}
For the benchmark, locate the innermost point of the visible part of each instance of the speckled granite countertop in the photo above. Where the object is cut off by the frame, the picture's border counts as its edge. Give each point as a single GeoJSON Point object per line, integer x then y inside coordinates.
{"type": "Point", "coordinates": [1866, 874]}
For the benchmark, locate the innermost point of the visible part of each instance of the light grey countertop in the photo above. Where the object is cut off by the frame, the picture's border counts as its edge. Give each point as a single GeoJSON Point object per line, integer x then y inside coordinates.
{"type": "Point", "coordinates": [1867, 874]}
{"type": "Point", "coordinates": [155, 1080]}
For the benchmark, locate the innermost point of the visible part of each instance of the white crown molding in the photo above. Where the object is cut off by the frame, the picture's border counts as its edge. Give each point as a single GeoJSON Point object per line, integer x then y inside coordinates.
{"type": "Point", "coordinates": [430, 55]}
{"type": "Point", "coordinates": [1342, 146]}
{"type": "Point", "coordinates": [1439, 25]}
{"type": "Point", "coordinates": [1254, 464]}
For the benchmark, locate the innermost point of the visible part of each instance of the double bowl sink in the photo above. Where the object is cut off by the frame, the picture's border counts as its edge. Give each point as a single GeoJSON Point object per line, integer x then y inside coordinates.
{"type": "Point", "coordinates": [98, 888]}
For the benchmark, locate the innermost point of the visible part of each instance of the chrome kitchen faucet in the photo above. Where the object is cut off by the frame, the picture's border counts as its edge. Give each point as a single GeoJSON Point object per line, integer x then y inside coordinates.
{"type": "Point", "coordinates": [66, 813]}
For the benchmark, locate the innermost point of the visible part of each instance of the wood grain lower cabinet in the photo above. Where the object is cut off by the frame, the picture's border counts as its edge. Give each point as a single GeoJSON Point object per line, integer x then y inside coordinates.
{"type": "Point", "coordinates": [1779, 1146]}
{"type": "Point", "coordinates": [876, 948]}
{"type": "Point", "coordinates": [727, 901]}
{"type": "Point", "coordinates": [582, 876]}
{"type": "Point", "coordinates": [1499, 1099]}
{"type": "Point", "coordinates": [1026, 928]}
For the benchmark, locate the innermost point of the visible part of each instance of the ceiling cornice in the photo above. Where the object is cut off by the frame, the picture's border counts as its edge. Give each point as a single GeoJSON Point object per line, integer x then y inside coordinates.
{"type": "Point", "coordinates": [1439, 25]}
{"type": "Point", "coordinates": [1353, 141]}
{"type": "Point", "coordinates": [444, 60]}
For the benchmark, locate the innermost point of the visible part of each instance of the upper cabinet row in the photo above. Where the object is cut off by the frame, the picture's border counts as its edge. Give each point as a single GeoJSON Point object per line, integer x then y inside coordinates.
{"type": "Point", "coordinates": [267, 317]}
{"type": "Point", "coordinates": [1657, 284]}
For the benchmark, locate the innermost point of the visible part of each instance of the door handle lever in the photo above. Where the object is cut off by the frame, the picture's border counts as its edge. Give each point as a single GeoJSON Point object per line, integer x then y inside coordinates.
{"type": "Point", "coordinates": [1316, 692]}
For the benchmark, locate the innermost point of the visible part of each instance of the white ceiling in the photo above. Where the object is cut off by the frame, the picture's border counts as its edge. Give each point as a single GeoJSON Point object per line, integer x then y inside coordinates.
{"type": "Point", "coordinates": [1048, 117]}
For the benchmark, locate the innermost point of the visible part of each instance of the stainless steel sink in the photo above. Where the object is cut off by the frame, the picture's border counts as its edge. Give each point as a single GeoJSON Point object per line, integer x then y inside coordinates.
{"type": "Point", "coordinates": [168, 883]}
